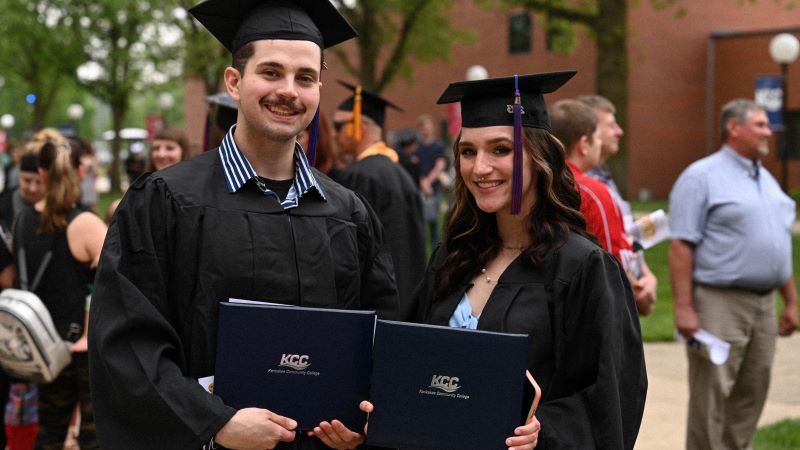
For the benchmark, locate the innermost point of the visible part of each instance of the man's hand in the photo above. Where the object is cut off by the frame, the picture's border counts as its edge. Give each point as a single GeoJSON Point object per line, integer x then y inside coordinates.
{"type": "Point", "coordinates": [788, 321]}
{"type": "Point", "coordinates": [644, 292]}
{"type": "Point", "coordinates": [686, 321]}
{"type": "Point", "coordinates": [257, 429]}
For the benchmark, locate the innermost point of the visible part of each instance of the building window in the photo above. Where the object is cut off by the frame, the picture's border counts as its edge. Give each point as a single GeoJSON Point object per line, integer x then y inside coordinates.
{"type": "Point", "coordinates": [519, 33]}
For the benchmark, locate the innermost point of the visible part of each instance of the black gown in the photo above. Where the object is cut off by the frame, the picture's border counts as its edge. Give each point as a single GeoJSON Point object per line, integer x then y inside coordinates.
{"type": "Point", "coordinates": [179, 243]}
{"type": "Point", "coordinates": [396, 200]}
{"type": "Point", "coordinates": [585, 343]}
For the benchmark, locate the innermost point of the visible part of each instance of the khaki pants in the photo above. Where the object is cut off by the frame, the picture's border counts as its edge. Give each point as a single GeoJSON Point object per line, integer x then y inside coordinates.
{"type": "Point", "coordinates": [726, 401]}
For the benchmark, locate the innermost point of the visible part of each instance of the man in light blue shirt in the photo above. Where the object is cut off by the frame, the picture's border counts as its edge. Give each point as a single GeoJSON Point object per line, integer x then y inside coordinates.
{"type": "Point", "coordinates": [731, 248]}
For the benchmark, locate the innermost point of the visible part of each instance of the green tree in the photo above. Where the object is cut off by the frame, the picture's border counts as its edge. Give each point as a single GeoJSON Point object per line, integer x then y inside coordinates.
{"type": "Point", "coordinates": [392, 33]}
{"type": "Point", "coordinates": [38, 51]}
{"type": "Point", "coordinates": [133, 46]}
{"type": "Point", "coordinates": [204, 58]}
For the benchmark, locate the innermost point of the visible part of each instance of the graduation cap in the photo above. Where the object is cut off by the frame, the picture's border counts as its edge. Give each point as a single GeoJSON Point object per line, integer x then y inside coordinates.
{"type": "Point", "coordinates": [365, 103]}
{"type": "Point", "coordinates": [517, 101]}
{"type": "Point", "coordinates": [236, 23]}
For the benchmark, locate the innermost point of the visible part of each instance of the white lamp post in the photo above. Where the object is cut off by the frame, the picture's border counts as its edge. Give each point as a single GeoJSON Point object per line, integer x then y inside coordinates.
{"type": "Point", "coordinates": [477, 72]}
{"type": "Point", "coordinates": [75, 113]}
{"type": "Point", "coordinates": [784, 49]}
{"type": "Point", "coordinates": [7, 121]}
{"type": "Point", "coordinates": [165, 102]}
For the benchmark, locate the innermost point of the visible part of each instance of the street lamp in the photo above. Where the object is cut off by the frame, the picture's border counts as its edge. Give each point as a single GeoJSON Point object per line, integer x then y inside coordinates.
{"type": "Point", "coordinates": [165, 102]}
{"type": "Point", "coordinates": [477, 72]}
{"type": "Point", "coordinates": [784, 49]}
{"type": "Point", "coordinates": [75, 113]}
{"type": "Point", "coordinates": [7, 121]}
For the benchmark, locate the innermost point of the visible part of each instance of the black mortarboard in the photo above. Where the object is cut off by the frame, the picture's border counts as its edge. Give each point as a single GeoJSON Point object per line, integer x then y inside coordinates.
{"type": "Point", "coordinates": [517, 101]}
{"type": "Point", "coordinates": [235, 23]}
{"type": "Point", "coordinates": [490, 102]}
{"type": "Point", "coordinates": [372, 105]}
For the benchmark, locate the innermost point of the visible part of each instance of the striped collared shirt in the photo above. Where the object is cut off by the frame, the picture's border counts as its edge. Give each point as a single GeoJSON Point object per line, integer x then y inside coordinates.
{"type": "Point", "coordinates": [239, 171]}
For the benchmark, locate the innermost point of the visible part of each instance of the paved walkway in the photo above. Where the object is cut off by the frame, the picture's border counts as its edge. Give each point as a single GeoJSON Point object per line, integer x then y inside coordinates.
{"type": "Point", "coordinates": [664, 424]}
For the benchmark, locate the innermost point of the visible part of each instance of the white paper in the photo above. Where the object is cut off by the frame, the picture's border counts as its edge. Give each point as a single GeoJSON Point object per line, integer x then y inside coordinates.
{"type": "Point", "coordinates": [711, 346]}
{"type": "Point", "coordinates": [207, 383]}
{"type": "Point", "coordinates": [651, 229]}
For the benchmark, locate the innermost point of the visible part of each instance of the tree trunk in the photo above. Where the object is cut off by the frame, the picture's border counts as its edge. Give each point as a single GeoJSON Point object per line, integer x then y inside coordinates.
{"type": "Point", "coordinates": [118, 112]}
{"type": "Point", "coordinates": [612, 74]}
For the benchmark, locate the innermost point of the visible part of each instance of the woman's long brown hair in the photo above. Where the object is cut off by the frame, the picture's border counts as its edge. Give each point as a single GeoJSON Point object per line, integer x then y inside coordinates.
{"type": "Point", "coordinates": [62, 186]}
{"type": "Point", "coordinates": [471, 235]}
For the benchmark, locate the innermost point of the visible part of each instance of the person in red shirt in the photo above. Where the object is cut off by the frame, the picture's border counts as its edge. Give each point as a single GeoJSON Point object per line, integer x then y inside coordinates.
{"type": "Point", "coordinates": [575, 125]}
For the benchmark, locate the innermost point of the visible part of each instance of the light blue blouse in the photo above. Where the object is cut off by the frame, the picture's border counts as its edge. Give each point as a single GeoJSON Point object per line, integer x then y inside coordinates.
{"type": "Point", "coordinates": [462, 316]}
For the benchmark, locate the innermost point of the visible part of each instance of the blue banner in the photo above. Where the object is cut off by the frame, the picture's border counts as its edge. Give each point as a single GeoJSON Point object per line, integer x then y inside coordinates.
{"type": "Point", "coordinates": [769, 95]}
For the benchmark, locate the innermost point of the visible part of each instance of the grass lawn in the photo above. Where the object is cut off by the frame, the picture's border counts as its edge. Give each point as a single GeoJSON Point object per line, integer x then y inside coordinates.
{"type": "Point", "coordinates": [783, 435]}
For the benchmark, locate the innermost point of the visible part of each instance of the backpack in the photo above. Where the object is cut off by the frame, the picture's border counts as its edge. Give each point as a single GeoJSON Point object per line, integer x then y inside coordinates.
{"type": "Point", "coordinates": [30, 347]}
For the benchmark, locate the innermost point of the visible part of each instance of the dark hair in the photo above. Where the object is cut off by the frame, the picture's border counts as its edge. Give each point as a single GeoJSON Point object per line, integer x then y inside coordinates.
{"type": "Point", "coordinates": [62, 187]}
{"type": "Point", "coordinates": [471, 235]}
{"type": "Point", "coordinates": [571, 120]}
{"type": "Point", "coordinates": [242, 55]}
{"type": "Point", "coordinates": [173, 134]}
{"type": "Point", "coordinates": [29, 162]}
{"type": "Point", "coordinates": [80, 147]}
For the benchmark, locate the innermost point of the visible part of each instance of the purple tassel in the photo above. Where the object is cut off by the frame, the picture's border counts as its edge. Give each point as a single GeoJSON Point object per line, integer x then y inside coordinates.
{"type": "Point", "coordinates": [312, 140]}
{"type": "Point", "coordinates": [516, 184]}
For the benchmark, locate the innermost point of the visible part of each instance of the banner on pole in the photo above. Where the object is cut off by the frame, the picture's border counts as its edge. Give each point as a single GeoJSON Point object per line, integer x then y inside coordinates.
{"type": "Point", "coordinates": [769, 95]}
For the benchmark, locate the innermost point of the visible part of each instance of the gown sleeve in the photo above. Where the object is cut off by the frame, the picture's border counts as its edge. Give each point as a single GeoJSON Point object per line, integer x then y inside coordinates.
{"type": "Point", "coordinates": [599, 358]}
{"type": "Point", "coordinates": [140, 393]}
{"type": "Point", "coordinates": [378, 287]}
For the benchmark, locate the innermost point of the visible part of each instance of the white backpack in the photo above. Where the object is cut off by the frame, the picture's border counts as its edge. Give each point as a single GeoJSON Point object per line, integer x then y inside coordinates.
{"type": "Point", "coordinates": [30, 347]}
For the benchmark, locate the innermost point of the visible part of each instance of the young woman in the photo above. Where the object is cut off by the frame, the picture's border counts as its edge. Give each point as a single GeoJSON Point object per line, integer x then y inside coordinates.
{"type": "Point", "coordinates": [73, 236]}
{"type": "Point", "coordinates": [516, 258]}
{"type": "Point", "coordinates": [169, 147]}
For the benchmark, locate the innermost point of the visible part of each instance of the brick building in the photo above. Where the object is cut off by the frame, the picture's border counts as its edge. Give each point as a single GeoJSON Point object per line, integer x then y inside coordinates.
{"type": "Point", "coordinates": [682, 69]}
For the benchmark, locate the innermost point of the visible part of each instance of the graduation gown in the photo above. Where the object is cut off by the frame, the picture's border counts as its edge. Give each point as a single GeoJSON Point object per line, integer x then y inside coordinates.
{"type": "Point", "coordinates": [179, 243]}
{"type": "Point", "coordinates": [396, 200]}
{"type": "Point", "coordinates": [585, 343]}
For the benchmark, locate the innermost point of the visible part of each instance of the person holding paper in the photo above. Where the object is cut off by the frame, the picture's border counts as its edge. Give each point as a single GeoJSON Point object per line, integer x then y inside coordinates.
{"type": "Point", "coordinates": [645, 282]}
{"type": "Point", "coordinates": [731, 249]}
{"type": "Point", "coordinates": [250, 220]}
{"type": "Point", "coordinates": [516, 258]}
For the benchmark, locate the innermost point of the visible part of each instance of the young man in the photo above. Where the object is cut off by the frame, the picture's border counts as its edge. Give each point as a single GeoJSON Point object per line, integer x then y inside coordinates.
{"type": "Point", "coordinates": [377, 175]}
{"type": "Point", "coordinates": [575, 125]}
{"type": "Point", "coordinates": [731, 249]}
{"type": "Point", "coordinates": [645, 286]}
{"type": "Point", "coordinates": [251, 220]}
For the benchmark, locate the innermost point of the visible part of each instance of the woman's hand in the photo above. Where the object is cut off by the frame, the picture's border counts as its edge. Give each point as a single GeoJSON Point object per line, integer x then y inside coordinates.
{"type": "Point", "coordinates": [81, 345]}
{"type": "Point", "coordinates": [335, 435]}
{"type": "Point", "coordinates": [525, 437]}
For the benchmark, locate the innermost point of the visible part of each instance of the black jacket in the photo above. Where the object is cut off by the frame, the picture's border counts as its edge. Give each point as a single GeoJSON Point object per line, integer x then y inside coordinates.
{"type": "Point", "coordinates": [585, 343]}
{"type": "Point", "coordinates": [180, 243]}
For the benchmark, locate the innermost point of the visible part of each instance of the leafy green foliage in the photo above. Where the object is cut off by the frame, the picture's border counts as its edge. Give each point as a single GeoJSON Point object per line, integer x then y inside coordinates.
{"type": "Point", "coordinates": [393, 33]}
{"type": "Point", "coordinates": [38, 52]}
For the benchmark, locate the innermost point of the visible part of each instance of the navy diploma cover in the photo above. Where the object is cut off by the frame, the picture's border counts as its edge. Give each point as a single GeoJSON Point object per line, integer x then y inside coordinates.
{"type": "Point", "coordinates": [437, 387]}
{"type": "Point", "coordinates": [308, 364]}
